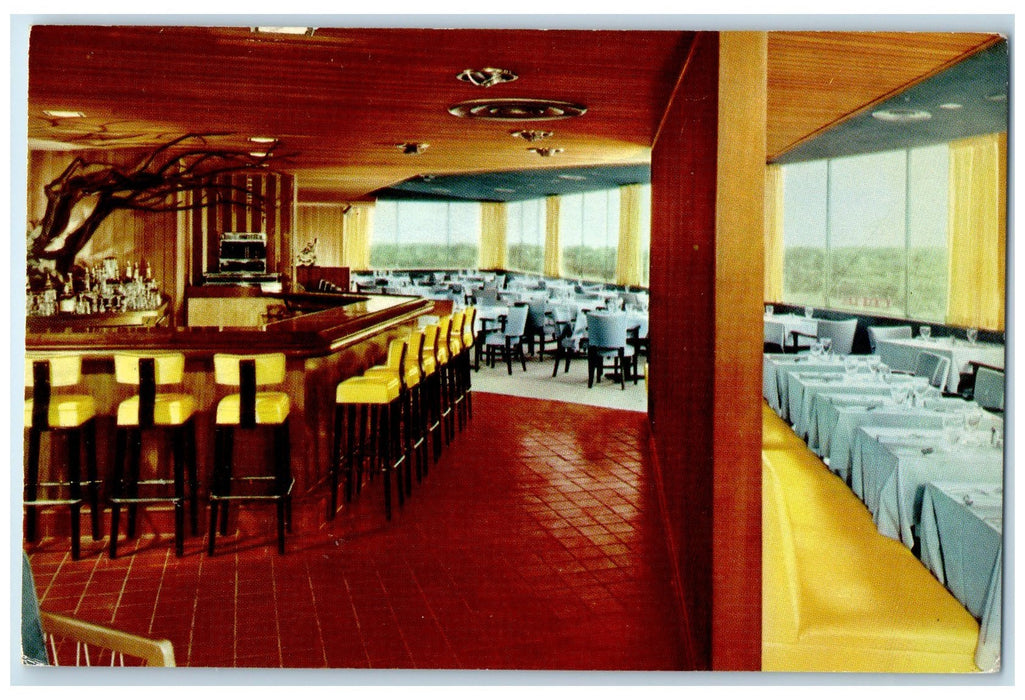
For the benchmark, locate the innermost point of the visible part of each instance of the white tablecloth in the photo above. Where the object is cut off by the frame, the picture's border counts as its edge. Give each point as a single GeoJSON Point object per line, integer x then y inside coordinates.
{"type": "Point", "coordinates": [889, 471]}
{"type": "Point", "coordinates": [962, 544]}
{"type": "Point", "coordinates": [803, 387]}
{"type": "Point", "coordinates": [775, 381]}
{"type": "Point", "coordinates": [902, 354]}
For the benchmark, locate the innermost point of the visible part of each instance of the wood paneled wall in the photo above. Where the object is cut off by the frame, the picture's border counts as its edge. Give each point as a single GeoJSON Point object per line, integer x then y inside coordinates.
{"type": "Point", "coordinates": [326, 223]}
{"type": "Point", "coordinates": [706, 228]}
{"type": "Point", "coordinates": [274, 216]}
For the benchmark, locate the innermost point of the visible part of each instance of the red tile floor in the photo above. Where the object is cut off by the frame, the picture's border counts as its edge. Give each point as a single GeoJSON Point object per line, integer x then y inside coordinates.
{"type": "Point", "coordinates": [532, 544]}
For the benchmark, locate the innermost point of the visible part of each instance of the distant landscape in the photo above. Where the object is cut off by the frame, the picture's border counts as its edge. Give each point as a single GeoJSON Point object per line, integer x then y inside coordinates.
{"type": "Point", "coordinates": [869, 280]}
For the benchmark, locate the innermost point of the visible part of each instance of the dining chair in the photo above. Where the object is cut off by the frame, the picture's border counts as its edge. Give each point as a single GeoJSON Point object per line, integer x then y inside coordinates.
{"type": "Point", "coordinates": [840, 333]}
{"type": "Point", "coordinates": [932, 366]}
{"type": "Point", "coordinates": [875, 333]}
{"type": "Point", "coordinates": [509, 339]}
{"type": "Point", "coordinates": [989, 389]}
{"type": "Point", "coordinates": [572, 337]}
{"type": "Point", "coordinates": [540, 326]}
{"type": "Point", "coordinates": [606, 339]}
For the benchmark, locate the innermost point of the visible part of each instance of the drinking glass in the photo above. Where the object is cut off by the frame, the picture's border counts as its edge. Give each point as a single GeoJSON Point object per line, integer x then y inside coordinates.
{"type": "Point", "coordinates": [951, 430]}
{"type": "Point", "coordinates": [973, 334]}
{"type": "Point", "coordinates": [925, 332]}
{"type": "Point", "coordinates": [808, 311]}
{"type": "Point", "coordinates": [899, 393]}
{"type": "Point", "coordinates": [921, 389]}
{"type": "Point", "coordinates": [850, 365]}
{"type": "Point", "coordinates": [816, 349]}
{"type": "Point", "coordinates": [769, 310]}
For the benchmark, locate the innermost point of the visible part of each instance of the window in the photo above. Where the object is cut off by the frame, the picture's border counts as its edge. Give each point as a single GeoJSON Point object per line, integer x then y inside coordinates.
{"type": "Point", "coordinates": [645, 233]}
{"type": "Point", "coordinates": [589, 234]}
{"type": "Point", "coordinates": [525, 235]}
{"type": "Point", "coordinates": [867, 233]}
{"type": "Point", "coordinates": [412, 234]}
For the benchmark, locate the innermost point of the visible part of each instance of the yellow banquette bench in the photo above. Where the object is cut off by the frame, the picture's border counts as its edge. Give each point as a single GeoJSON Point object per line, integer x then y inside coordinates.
{"type": "Point", "coordinates": [836, 595]}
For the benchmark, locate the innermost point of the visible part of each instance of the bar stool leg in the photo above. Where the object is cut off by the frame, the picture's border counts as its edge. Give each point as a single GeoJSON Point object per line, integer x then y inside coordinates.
{"type": "Point", "coordinates": [32, 483]}
{"type": "Point", "coordinates": [74, 444]}
{"type": "Point", "coordinates": [382, 459]}
{"type": "Point", "coordinates": [407, 405]}
{"type": "Point", "coordinates": [135, 455]}
{"type": "Point", "coordinates": [350, 446]}
{"type": "Point", "coordinates": [216, 480]}
{"type": "Point", "coordinates": [89, 438]}
{"type": "Point", "coordinates": [229, 455]}
{"type": "Point", "coordinates": [178, 438]}
{"type": "Point", "coordinates": [190, 453]}
{"type": "Point", "coordinates": [117, 488]}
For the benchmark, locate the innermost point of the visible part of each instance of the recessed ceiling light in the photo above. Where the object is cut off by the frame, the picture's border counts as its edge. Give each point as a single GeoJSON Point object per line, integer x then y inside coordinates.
{"type": "Point", "coordinates": [294, 31]}
{"type": "Point", "coordinates": [259, 154]}
{"type": "Point", "coordinates": [997, 97]}
{"type": "Point", "coordinates": [63, 114]}
{"type": "Point", "coordinates": [443, 190]}
{"type": "Point", "coordinates": [486, 77]}
{"type": "Point", "coordinates": [951, 105]}
{"type": "Point", "coordinates": [532, 135]}
{"type": "Point", "coordinates": [546, 152]}
{"type": "Point", "coordinates": [517, 109]}
{"type": "Point", "coordinates": [902, 115]}
{"type": "Point", "coordinates": [574, 178]}
{"type": "Point", "coordinates": [506, 190]}
{"type": "Point", "coordinates": [263, 139]}
{"type": "Point", "coordinates": [412, 148]}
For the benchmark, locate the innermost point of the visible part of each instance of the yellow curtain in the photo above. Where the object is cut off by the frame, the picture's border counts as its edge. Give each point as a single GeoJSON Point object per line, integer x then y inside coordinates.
{"type": "Point", "coordinates": [359, 228]}
{"type": "Point", "coordinates": [773, 281]}
{"type": "Point", "coordinates": [553, 253]}
{"type": "Point", "coordinates": [628, 256]}
{"type": "Point", "coordinates": [977, 231]}
{"type": "Point", "coordinates": [494, 249]}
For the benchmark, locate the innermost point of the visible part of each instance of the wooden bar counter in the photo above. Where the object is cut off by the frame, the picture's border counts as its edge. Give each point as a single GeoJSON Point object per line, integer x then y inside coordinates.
{"type": "Point", "coordinates": [325, 337]}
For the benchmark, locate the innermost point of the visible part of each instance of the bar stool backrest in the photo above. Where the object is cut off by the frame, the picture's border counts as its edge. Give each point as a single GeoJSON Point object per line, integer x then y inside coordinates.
{"type": "Point", "coordinates": [396, 355]}
{"type": "Point", "coordinates": [168, 367]}
{"type": "Point", "coordinates": [44, 372]}
{"type": "Point", "coordinates": [427, 358]}
{"type": "Point", "coordinates": [248, 372]}
{"type": "Point", "coordinates": [414, 349]}
{"type": "Point", "coordinates": [469, 317]}
{"type": "Point", "coordinates": [270, 368]}
{"type": "Point", "coordinates": [455, 336]}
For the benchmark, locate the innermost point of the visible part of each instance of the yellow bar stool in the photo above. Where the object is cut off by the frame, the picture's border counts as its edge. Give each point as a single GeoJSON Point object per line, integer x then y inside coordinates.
{"type": "Point", "coordinates": [442, 355]}
{"type": "Point", "coordinates": [413, 437]}
{"type": "Point", "coordinates": [429, 391]}
{"type": "Point", "coordinates": [249, 410]}
{"type": "Point", "coordinates": [368, 407]}
{"type": "Point", "coordinates": [145, 411]}
{"type": "Point", "coordinates": [454, 369]}
{"type": "Point", "coordinates": [71, 416]}
{"type": "Point", "coordinates": [466, 366]}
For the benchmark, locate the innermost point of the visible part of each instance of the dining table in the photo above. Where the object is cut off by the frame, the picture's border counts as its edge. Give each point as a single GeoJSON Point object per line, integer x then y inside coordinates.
{"type": "Point", "coordinates": [803, 387]}
{"type": "Point", "coordinates": [902, 354]}
{"type": "Point", "coordinates": [962, 545]}
{"type": "Point", "coordinates": [842, 416]}
{"type": "Point", "coordinates": [777, 327]}
{"type": "Point", "coordinates": [891, 466]}
{"type": "Point", "coordinates": [775, 380]}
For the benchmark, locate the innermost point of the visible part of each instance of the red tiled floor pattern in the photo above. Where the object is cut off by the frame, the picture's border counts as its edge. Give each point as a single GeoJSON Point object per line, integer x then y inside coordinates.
{"type": "Point", "coordinates": [532, 544]}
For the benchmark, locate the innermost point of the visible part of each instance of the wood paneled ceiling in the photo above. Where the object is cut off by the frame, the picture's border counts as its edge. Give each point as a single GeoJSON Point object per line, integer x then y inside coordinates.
{"type": "Point", "coordinates": [341, 99]}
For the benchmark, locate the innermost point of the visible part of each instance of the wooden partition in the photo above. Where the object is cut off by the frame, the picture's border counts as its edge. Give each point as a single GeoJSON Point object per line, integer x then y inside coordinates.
{"type": "Point", "coordinates": [705, 286]}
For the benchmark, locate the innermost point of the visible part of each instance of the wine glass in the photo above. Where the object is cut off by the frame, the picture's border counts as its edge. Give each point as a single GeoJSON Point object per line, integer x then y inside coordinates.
{"type": "Point", "coordinates": [921, 389]}
{"type": "Point", "coordinates": [827, 346]}
{"type": "Point", "coordinates": [808, 311]}
{"type": "Point", "coordinates": [972, 419]}
{"type": "Point", "coordinates": [850, 365]}
{"type": "Point", "coordinates": [899, 393]}
{"type": "Point", "coordinates": [816, 349]}
{"type": "Point", "coordinates": [973, 335]}
{"type": "Point", "coordinates": [769, 310]}
{"type": "Point", "coordinates": [924, 332]}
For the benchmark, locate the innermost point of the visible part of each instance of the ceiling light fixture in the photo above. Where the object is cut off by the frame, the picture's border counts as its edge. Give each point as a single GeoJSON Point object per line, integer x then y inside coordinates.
{"type": "Point", "coordinates": [546, 152]}
{"type": "Point", "coordinates": [532, 135]}
{"type": "Point", "coordinates": [487, 77]}
{"type": "Point", "coordinates": [263, 139]}
{"type": "Point", "coordinates": [572, 178]}
{"type": "Point", "coordinates": [517, 109]}
{"type": "Point", "coordinates": [412, 148]}
{"type": "Point", "coordinates": [259, 154]}
{"type": "Point", "coordinates": [63, 114]}
{"type": "Point", "coordinates": [902, 115]}
{"type": "Point", "coordinates": [997, 97]}
{"type": "Point", "coordinates": [505, 190]}
{"type": "Point", "coordinates": [951, 105]}
{"type": "Point", "coordinates": [292, 31]}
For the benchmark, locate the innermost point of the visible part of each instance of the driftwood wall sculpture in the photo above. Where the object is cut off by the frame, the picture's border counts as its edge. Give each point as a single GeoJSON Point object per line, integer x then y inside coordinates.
{"type": "Point", "coordinates": [86, 193]}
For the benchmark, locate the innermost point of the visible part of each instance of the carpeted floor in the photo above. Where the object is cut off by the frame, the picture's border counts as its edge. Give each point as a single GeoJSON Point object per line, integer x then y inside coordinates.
{"type": "Point", "coordinates": [533, 543]}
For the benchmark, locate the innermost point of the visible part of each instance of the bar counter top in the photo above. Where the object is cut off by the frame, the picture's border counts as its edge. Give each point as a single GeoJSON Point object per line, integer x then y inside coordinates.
{"type": "Point", "coordinates": [321, 324]}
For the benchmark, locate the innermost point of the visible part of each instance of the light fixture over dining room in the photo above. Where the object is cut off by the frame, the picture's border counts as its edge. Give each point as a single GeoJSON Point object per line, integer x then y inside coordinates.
{"type": "Point", "coordinates": [487, 77]}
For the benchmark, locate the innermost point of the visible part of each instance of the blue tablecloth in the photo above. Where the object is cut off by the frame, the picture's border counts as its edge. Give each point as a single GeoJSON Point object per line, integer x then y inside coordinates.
{"type": "Point", "coordinates": [961, 537]}
{"type": "Point", "coordinates": [775, 369]}
{"type": "Point", "coordinates": [845, 419]}
{"type": "Point", "coordinates": [890, 468]}
{"type": "Point", "coordinates": [803, 387]}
